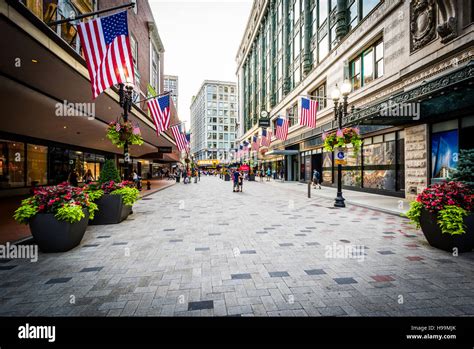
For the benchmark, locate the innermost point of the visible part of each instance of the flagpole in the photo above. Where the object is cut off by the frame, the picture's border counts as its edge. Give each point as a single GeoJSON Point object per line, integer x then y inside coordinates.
{"type": "Point", "coordinates": [156, 96]}
{"type": "Point", "coordinates": [75, 18]}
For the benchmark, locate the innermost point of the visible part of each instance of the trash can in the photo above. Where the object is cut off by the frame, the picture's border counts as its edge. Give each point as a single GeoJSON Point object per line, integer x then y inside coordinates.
{"type": "Point", "coordinates": [178, 179]}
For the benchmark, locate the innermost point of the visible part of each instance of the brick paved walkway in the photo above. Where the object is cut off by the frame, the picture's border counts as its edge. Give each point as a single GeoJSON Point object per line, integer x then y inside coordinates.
{"type": "Point", "coordinates": [199, 250]}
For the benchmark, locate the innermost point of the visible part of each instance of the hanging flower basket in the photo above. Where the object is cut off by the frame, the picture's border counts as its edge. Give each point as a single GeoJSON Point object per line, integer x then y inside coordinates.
{"type": "Point", "coordinates": [121, 132]}
{"type": "Point", "coordinates": [339, 138]}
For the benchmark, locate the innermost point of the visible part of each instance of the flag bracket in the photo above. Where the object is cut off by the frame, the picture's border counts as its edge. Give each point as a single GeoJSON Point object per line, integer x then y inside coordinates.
{"type": "Point", "coordinates": [85, 15]}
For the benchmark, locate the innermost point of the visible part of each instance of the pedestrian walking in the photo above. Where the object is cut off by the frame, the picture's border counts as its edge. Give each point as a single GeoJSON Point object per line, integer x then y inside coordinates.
{"type": "Point", "coordinates": [269, 174]}
{"type": "Point", "coordinates": [282, 174]}
{"type": "Point", "coordinates": [316, 178]}
{"type": "Point", "coordinates": [236, 178]}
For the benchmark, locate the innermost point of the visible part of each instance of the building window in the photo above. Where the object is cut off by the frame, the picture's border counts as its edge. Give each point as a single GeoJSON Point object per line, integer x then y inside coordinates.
{"type": "Point", "coordinates": [134, 48]}
{"type": "Point", "coordinates": [12, 164]}
{"type": "Point", "coordinates": [154, 65]}
{"type": "Point", "coordinates": [359, 9]}
{"type": "Point", "coordinates": [37, 165]}
{"type": "Point", "coordinates": [322, 11]}
{"type": "Point", "coordinates": [319, 93]}
{"type": "Point", "coordinates": [367, 66]}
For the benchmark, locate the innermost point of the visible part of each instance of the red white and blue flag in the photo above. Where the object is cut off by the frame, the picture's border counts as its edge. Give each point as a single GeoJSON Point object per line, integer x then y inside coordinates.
{"type": "Point", "coordinates": [282, 128]}
{"type": "Point", "coordinates": [160, 112]}
{"type": "Point", "coordinates": [308, 111]}
{"type": "Point", "coordinates": [266, 137]}
{"type": "Point", "coordinates": [180, 138]}
{"type": "Point", "coordinates": [255, 143]}
{"type": "Point", "coordinates": [106, 46]}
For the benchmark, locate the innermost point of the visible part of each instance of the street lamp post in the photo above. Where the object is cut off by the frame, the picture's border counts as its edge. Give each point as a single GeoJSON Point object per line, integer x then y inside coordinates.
{"type": "Point", "coordinates": [125, 101]}
{"type": "Point", "coordinates": [340, 111]}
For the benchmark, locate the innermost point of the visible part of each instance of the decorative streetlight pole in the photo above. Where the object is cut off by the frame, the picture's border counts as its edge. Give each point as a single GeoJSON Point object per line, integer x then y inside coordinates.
{"type": "Point", "coordinates": [340, 111]}
{"type": "Point", "coordinates": [125, 100]}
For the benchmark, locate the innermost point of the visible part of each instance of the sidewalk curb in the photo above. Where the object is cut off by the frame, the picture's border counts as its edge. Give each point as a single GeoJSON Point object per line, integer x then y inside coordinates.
{"type": "Point", "coordinates": [374, 208]}
{"type": "Point", "coordinates": [157, 190]}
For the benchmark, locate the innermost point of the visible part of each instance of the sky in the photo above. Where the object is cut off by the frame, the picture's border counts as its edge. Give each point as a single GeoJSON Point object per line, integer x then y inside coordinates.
{"type": "Point", "coordinates": [201, 39]}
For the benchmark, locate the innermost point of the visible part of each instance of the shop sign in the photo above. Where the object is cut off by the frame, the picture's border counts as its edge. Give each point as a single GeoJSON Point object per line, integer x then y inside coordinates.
{"type": "Point", "coordinates": [207, 162]}
{"type": "Point", "coordinates": [264, 122]}
{"type": "Point", "coordinates": [340, 158]}
{"type": "Point", "coordinates": [166, 150]}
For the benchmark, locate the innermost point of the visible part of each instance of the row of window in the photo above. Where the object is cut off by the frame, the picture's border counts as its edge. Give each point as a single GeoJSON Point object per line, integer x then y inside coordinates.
{"type": "Point", "coordinates": [272, 70]}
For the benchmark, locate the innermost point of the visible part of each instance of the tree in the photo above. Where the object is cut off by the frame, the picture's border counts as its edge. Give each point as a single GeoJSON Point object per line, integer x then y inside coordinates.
{"type": "Point", "coordinates": [109, 173]}
{"type": "Point", "coordinates": [465, 169]}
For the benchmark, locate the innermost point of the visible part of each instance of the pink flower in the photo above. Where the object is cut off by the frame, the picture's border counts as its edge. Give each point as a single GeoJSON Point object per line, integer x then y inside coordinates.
{"type": "Point", "coordinates": [324, 136]}
{"type": "Point", "coordinates": [117, 127]}
{"type": "Point", "coordinates": [136, 130]}
{"type": "Point", "coordinates": [339, 133]}
{"type": "Point", "coordinates": [357, 130]}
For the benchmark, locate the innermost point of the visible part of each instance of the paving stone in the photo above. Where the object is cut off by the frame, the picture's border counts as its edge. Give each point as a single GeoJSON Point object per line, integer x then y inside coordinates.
{"type": "Point", "coordinates": [156, 277]}
{"type": "Point", "coordinates": [345, 281]}
{"type": "Point", "coordinates": [58, 281]}
{"type": "Point", "coordinates": [87, 270]}
{"type": "Point", "coordinates": [315, 272]}
{"type": "Point", "coordinates": [241, 276]}
{"type": "Point", "coordinates": [277, 274]}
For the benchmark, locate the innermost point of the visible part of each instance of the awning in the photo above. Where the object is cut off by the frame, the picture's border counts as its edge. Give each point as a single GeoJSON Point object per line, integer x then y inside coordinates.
{"type": "Point", "coordinates": [281, 152]}
{"type": "Point", "coordinates": [445, 94]}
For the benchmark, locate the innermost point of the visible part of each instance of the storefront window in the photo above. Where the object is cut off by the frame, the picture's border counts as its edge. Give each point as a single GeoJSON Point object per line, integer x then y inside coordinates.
{"type": "Point", "coordinates": [351, 172]}
{"type": "Point", "coordinates": [444, 153]}
{"type": "Point", "coordinates": [379, 166]}
{"type": "Point", "coordinates": [37, 162]}
{"type": "Point", "coordinates": [58, 165]}
{"type": "Point", "coordinates": [12, 164]}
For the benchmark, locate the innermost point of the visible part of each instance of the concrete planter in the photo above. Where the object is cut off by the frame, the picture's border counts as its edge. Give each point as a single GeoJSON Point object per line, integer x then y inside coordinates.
{"type": "Point", "coordinates": [112, 210]}
{"type": "Point", "coordinates": [432, 231]}
{"type": "Point", "coordinates": [52, 235]}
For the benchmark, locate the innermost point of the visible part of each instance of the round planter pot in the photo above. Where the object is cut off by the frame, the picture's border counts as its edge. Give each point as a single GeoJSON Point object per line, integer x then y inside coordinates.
{"type": "Point", "coordinates": [432, 231]}
{"type": "Point", "coordinates": [52, 235]}
{"type": "Point", "coordinates": [112, 210]}
{"type": "Point", "coordinates": [251, 177]}
{"type": "Point", "coordinates": [227, 177]}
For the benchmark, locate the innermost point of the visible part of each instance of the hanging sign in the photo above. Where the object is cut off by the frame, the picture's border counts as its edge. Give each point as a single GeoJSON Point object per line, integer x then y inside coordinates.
{"type": "Point", "coordinates": [340, 157]}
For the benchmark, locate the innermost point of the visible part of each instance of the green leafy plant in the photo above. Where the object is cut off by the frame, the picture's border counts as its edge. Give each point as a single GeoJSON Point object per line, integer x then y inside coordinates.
{"type": "Point", "coordinates": [451, 220]}
{"type": "Point", "coordinates": [339, 139]}
{"type": "Point", "coordinates": [26, 211]}
{"type": "Point", "coordinates": [70, 213]}
{"type": "Point", "coordinates": [95, 194]}
{"type": "Point", "coordinates": [449, 201]}
{"type": "Point", "coordinates": [121, 132]}
{"type": "Point", "coordinates": [62, 200]}
{"type": "Point", "coordinates": [109, 173]}
{"type": "Point", "coordinates": [129, 195]}
{"type": "Point", "coordinates": [414, 213]}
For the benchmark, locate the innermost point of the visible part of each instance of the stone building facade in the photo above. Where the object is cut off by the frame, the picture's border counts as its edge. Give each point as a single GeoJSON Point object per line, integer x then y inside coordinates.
{"type": "Point", "coordinates": [408, 63]}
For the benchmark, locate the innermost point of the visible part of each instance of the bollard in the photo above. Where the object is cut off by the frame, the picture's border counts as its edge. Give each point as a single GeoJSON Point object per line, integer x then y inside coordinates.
{"type": "Point", "coordinates": [148, 185]}
{"type": "Point", "coordinates": [309, 190]}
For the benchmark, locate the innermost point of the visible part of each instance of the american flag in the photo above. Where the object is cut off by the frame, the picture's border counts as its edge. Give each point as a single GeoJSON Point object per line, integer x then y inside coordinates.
{"type": "Point", "coordinates": [255, 143]}
{"type": "Point", "coordinates": [106, 47]}
{"type": "Point", "coordinates": [282, 128]}
{"type": "Point", "coordinates": [308, 112]}
{"type": "Point", "coordinates": [180, 138]}
{"type": "Point", "coordinates": [160, 112]}
{"type": "Point", "coordinates": [266, 137]}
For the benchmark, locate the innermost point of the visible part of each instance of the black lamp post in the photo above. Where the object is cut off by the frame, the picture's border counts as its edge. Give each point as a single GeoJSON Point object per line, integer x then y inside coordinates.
{"type": "Point", "coordinates": [340, 111]}
{"type": "Point", "coordinates": [125, 100]}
